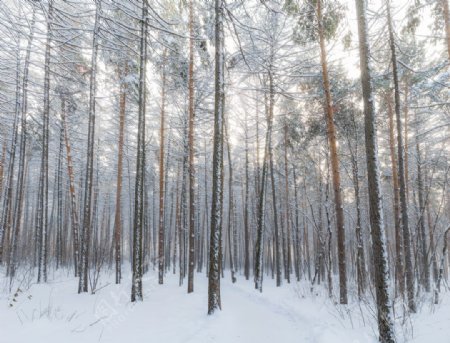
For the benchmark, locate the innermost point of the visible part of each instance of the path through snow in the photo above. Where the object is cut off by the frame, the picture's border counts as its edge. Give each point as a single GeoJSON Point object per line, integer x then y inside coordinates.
{"type": "Point", "coordinates": [55, 313]}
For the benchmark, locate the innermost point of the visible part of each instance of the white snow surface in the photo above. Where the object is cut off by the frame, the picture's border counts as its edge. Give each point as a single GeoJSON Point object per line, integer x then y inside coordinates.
{"type": "Point", "coordinates": [54, 312]}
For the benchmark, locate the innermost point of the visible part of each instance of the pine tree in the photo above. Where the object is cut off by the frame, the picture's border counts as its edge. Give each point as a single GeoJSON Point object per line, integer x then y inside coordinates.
{"type": "Point", "coordinates": [214, 301]}
{"type": "Point", "coordinates": [89, 178]}
{"type": "Point", "coordinates": [380, 263]}
{"type": "Point", "coordinates": [138, 217]}
{"type": "Point", "coordinates": [401, 172]}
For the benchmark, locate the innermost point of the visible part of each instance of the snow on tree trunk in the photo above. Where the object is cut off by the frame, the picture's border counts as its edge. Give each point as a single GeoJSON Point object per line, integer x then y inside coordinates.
{"type": "Point", "coordinates": [214, 301]}
{"type": "Point", "coordinates": [88, 181]}
{"type": "Point", "coordinates": [380, 261]}
{"type": "Point", "coordinates": [138, 219]}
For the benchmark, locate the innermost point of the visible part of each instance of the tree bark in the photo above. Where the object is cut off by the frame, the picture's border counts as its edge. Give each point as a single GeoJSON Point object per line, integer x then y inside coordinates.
{"type": "Point", "coordinates": [214, 300]}
{"type": "Point", "coordinates": [138, 218]}
{"type": "Point", "coordinates": [191, 151]}
{"type": "Point", "coordinates": [385, 324]}
{"type": "Point", "coordinates": [73, 201]}
{"type": "Point", "coordinates": [118, 208]}
{"type": "Point", "coordinates": [399, 268]}
{"type": "Point", "coordinates": [43, 199]}
{"type": "Point", "coordinates": [336, 176]}
{"type": "Point", "coordinates": [161, 228]}
{"type": "Point", "coordinates": [89, 178]}
{"type": "Point", "coordinates": [401, 173]}
{"type": "Point", "coordinates": [447, 24]}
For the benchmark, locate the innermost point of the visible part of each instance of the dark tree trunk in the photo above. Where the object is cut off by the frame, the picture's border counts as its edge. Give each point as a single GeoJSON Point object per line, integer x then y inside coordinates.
{"type": "Point", "coordinates": [191, 170]}
{"type": "Point", "coordinates": [89, 178]}
{"type": "Point", "coordinates": [138, 218]}
{"type": "Point", "coordinates": [401, 173]}
{"type": "Point", "coordinates": [214, 301]}
{"type": "Point", "coordinates": [385, 324]}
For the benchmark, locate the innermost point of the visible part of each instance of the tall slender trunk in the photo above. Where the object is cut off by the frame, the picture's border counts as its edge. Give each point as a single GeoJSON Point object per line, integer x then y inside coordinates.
{"type": "Point", "coordinates": [231, 242]}
{"type": "Point", "coordinates": [399, 268]}
{"type": "Point", "coordinates": [259, 244]}
{"type": "Point", "coordinates": [447, 24]}
{"type": "Point", "coordinates": [59, 203]}
{"type": "Point", "coordinates": [401, 173]}
{"type": "Point", "coordinates": [2, 167]}
{"type": "Point", "coordinates": [191, 151]}
{"type": "Point", "coordinates": [406, 148]}
{"type": "Point", "coordinates": [441, 267]}
{"type": "Point", "coordinates": [161, 229]}
{"type": "Point", "coordinates": [297, 241]}
{"type": "Point", "coordinates": [246, 212]}
{"type": "Point", "coordinates": [214, 301]}
{"type": "Point", "coordinates": [89, 178]}
{"type": "Point", "coordinates": [432, 246]}
{"type": "Point", "coordinates": [336, 176]}
{"type": "Point", "coordinates": [425, 270]}
{"type": "Point", "coordinates": [22, 152]}
{"type": "Point", "coordinates": [360, 259]}
{"type": "Point", "coordinates": [380, 263]}
{"type": "Point", "coordinates": [73, 199]}
{"type": "Point", "coordinates": [118, 209]}
{"type": "Point", "coordinates": [43, 200]}
{"type": "Point", "coordinates": [287, 210]}
{"type": "Point", "coordinates": [138, 218]}
{"type": "Point", "coordinates": [272, 179]}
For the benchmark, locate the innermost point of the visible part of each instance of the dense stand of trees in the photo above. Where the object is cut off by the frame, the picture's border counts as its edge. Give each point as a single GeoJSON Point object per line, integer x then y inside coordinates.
{"type": "Point", "coordinates": [228, 137]}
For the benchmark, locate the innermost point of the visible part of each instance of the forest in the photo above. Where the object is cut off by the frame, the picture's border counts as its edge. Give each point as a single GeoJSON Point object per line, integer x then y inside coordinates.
{"type": "Point", "coordinates": [224, 171]}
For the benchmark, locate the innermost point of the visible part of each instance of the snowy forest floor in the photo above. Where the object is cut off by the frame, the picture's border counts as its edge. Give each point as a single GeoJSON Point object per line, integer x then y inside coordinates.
{"type": "Point", "coordinates": [54, 312]}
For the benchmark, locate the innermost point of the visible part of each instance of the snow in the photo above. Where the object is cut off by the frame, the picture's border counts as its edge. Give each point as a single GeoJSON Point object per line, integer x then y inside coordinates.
{"type": "Point", "coordinates": [54, 312]}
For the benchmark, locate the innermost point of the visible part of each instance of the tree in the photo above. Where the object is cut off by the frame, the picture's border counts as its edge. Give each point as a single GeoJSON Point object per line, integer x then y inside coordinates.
{"type": "Point", "coordinates": [446, 13]}
{"type": "Point", "coordinates": [43, 180]}
{"type": "Point", "coordinates": [161, 231]}
{"type": "Point", "coordinates": [399, 268]}
{"type": "Point", "coordinates": [138, 218]}
{"type": "Point", "coordinates": [123, 72]}
{"type": "Point", "coordinates": [22, 151]}
{"type": "Point", "coordinates": [88, 181]}
{"type": "Point", "coordinates": [191, 171]}
{"type": "Point", "coordinates": [380, 263]}
{"type": "Point", "coordinates": [336, 176]}
{"type": "Point", "coordinates": [401, 171]}
{"type": "Point", "coordinates": [214, 302]}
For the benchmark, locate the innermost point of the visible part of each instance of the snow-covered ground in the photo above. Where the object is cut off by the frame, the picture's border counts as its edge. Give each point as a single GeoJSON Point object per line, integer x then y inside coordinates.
{"type": "Point", "coordinates": [54, 312]}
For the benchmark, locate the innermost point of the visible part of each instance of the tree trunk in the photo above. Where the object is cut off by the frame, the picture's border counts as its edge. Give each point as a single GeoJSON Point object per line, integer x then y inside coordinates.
{"type": "Point", "coordinates": [22, 152]}
{"type": "Point", "coordinates": [441, 267]}
{"type": "Point", "coordinates": [259, 244]}
{"type": "Point", "coordinates": [385, 324]}
{"type": "Point", "coordinates": [161, 229]}
{"type": "Point", "coordinates": [191, 151]}
{"type": "Point", "coordinates": [401, 173]}
{"type": "Point", "coordinates": [89, 178]}
{"type": "Point", "coordinates": [447, 24]}
{"type": "Point", "coordinates": [231, 242]}
{"type": "Point", "coordinates": [2, 167]}
{"type": "Point", "coordinates": [336, 177]}
{"type": "Point", "coordinates": [399, 268]}
{"type": "Point", "coordinates": [246, 212]}
{"type": "Point", "coordinates": [287, 210]}
{"type": "Point", "coordinates": [214, 301]}
{"type": "Point", "coordinates": [138, 218]}
{"type": "Point", "coordinates": [73, 201]}
{"type": "Point", "coordinates": [118, 208]}
{"type": "Point", "coordinates": [43, 200]}
{"type": "Point", "coordinates": [272, 179]}
{"type": "Point", "coordinates": [425, 270]}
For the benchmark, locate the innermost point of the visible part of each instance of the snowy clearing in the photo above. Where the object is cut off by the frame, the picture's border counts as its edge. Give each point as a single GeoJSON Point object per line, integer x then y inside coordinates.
{"type": "Point", "coordinates": [54, 312]}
